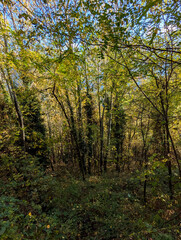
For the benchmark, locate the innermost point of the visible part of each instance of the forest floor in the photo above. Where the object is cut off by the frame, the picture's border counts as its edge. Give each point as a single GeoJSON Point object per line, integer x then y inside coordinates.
{"type": "Point", "coordinates": [107, 207]}
{"type": "Point", "coordinates": [112, 207]}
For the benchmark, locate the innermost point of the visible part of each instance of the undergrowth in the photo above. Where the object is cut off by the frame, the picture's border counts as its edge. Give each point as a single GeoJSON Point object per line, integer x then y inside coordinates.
{"type": "Point", "coordinates": [102, 207]}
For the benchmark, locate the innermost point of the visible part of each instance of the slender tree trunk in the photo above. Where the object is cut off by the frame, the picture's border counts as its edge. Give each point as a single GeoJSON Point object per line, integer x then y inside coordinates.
{"type": "Point", "coordinates": [90, 132]}
{"type": "Point", "coordinates": [169, 164]}
{"type": "Point", "coordinates": [81, 158]}
{"type": "Point", "coordinates": [73, 132]}
{"type": "Point", "coordinates": [101, 130]}
{"type": "Point", "coordinates": [108, 133]}
{"type": "Point", "coordinates": [52, 160]}
{"type": "Point", "coordinates": [101, 140]}
{"type": "Point", "coordinates": [81, 142]}
{"type": "Point", "coordinates": [175, 153]}
{"type": "Point", "coordinates": [16, 105]}
{"type": "Point", "coordinates": [89, 115]}
{"type": "Point", "coordinates": [12, 93]}
{"type": "Point", "coordinates": [144, 133]}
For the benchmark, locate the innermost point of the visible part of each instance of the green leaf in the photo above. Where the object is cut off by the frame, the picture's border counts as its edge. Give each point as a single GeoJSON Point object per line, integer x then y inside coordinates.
{"type": "Point", "coordinates": [147, 7]}
{"type": "Point", "coordinates": [3, 229]}
{"type": "Point", "coordinates": [153, 36]}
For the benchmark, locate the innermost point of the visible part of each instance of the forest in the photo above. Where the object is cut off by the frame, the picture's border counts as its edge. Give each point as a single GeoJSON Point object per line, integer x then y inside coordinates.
{"type": "Point", "coordinates": [90, 119]}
